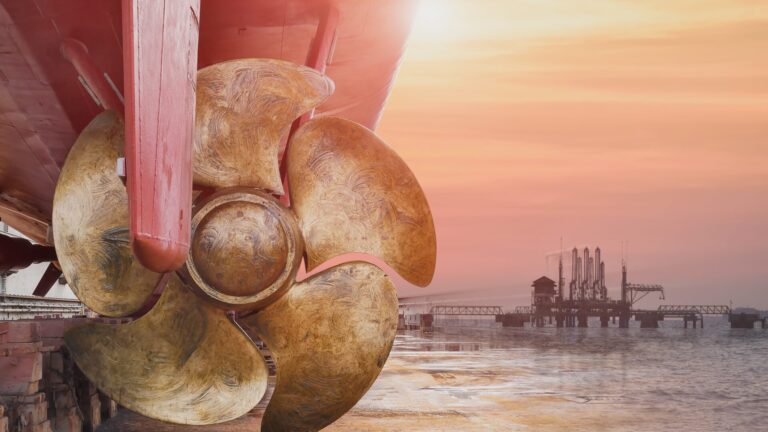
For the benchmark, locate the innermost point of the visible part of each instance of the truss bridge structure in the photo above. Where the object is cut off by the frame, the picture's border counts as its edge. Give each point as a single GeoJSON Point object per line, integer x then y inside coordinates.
{"type": "Point", "coordinates": [465, 310]}
{"type": "Point", "coordinates": [694, 309]}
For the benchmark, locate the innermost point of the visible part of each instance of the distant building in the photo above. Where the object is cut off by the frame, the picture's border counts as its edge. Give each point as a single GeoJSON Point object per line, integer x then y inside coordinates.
{"type": "Point", "coordinates": [544, 290]}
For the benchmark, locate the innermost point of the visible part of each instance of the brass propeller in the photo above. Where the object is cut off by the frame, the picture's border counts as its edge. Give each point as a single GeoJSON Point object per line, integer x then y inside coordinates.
{"type": "Point", "coordinates": [332, 333]}
{"type": "Point", "coordinates": [183, 362]}
{"type": "Point", "coordinates": [90, 224]}
{"type": "Point", "coordinates": [353, 193]}
{"type": "Point", "coordinates": [243, 109]}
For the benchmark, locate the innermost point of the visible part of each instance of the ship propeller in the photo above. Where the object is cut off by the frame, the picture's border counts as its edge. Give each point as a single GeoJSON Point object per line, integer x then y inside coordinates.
{"type": "Point", "coordinates": [186, 361]}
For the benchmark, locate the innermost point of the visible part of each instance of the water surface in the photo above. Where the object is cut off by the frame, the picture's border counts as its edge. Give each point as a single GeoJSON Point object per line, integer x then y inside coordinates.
{"type": "Point", "coordinates": [548, 379]}
{"type": "Point", "coordinates": [592, 379]}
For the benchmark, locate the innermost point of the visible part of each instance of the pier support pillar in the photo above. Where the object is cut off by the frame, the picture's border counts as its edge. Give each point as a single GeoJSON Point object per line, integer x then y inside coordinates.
{"type": "Point", "coordinates": [649, 320]}
{"type": "Point", "coordinates": [512, 320]}
{"type": "Point", "coordinates": [624, 319]}
{"type": "Point", "coordinates": [604, 320]}
{"type": "Point", "coordinates": [743, 320]}
{"type": "Point", "coordinates": [691, 318]}
{"type": "Point", "coordinates": [583, 319]}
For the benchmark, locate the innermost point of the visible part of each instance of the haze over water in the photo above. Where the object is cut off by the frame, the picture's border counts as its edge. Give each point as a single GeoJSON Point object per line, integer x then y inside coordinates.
{"type": "Point", "coordinates": [599, 122]}
{"type": "Point", "coordinates": [593, 379]}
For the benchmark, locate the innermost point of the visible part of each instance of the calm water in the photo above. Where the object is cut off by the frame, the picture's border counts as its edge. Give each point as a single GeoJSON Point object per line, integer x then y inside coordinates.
{"type": "Point", "coordinates": [715, 379]}
{"type": "Point", "coordinates": [555, 380]}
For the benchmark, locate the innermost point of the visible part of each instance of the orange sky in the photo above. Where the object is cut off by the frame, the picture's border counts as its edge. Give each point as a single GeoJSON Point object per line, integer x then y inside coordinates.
{"type": "Point", "coordinates": [598, 121]}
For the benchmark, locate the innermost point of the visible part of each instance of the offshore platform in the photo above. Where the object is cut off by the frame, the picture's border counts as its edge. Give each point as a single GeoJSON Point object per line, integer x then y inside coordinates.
{"type": "Point", "coordinates": [573, 303]}
{"type": "Point", "coordinates": [570, 303]}
{"type": "Point", "coordinates": [586, 295]}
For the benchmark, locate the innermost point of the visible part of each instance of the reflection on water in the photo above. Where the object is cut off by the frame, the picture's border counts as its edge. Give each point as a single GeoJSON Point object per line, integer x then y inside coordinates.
{"type": "Point", "coordinates": [572, 380]}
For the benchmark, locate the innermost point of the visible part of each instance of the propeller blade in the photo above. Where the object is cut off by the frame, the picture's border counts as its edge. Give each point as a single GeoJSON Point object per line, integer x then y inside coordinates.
{"type": "Point", "coordinates": [330, 335]}
{"type": "Point", "coordinates": [184, 362]}
{"type": "Point", "coordinates": [353, 193]}
{"type": "Point", "coordinates": [90, 224]}
{"type": "Point", "coordinates": [244, 107]}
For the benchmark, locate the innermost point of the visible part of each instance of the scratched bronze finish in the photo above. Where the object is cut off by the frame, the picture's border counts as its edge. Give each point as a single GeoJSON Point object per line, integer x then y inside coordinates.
{"type": "Point", "coordinates": [330, 336]}
{"type": "Point", "coordinates": [90, 224]}
{"type": "Point", "coordinates": [353, 193]}
{"type": "Point", "coordinates": [244, 107]}
{"type": "Point", "coordinates": [246, 248]}
{"type": "Point", "coordinates": [240, 248]}
{"type": "Point", "coordinates": [184, 362]}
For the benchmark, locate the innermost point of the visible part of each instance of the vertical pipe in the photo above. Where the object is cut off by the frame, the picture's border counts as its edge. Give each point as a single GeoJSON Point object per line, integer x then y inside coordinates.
{"type": "Point", "coordinates": [574, 271]}
{"type": "Point", "coordinates": [596, 284]}
{"type": "Point", "coordinates": [623, 282]}
{"type": "Point", "coordinates": [579, 277]}
{"type": "Point", "coordinates": [603, 289]}
{"type": "Point", "coordinates": [560, 278]}
{"type": "Point", "coordinates": [585, 275]}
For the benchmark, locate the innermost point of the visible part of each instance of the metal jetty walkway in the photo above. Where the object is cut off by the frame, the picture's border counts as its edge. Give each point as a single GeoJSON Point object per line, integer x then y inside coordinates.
{"type": "Point", "coordinates": [573, 314]}
{"type": "Point", "coordinates": [689, 313]}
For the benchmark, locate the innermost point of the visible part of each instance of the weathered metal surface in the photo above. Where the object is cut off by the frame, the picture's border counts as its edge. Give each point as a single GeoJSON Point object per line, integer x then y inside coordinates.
{"type": "Point", "coordinates": [92, 76]}
{"type": "Point", "coordinates": [246, 248]}
{"type": "Point", "coordinates": [90, 221]}
{"type": "Point", "coordinates": [45, 106]}
{"type": "Point", "coordinates": [330, 336]}
{"type": "Point", "coordinates": [244, 107]}
{"type": "Point", "coordinates": [160, 47]}
{"type": "Point", "coordinates": [184, 362]}
{"type": "Point", "coordinates": [318, 57]}
{"type": "Point", "coordinates": [352, 193]}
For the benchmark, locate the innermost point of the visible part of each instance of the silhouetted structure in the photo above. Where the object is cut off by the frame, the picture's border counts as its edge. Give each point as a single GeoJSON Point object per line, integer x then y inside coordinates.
{"type": "Point", "coordinates": [585, 296]}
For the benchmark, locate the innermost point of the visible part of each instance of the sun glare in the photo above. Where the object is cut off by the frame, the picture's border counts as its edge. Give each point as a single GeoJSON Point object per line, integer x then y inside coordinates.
{"type": "Point", "coordinates": [434, 19]}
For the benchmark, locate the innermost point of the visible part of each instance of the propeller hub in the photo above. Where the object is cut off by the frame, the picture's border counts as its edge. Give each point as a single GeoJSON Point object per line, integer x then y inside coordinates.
{"type": "Point", "coordinates": [245, 248]}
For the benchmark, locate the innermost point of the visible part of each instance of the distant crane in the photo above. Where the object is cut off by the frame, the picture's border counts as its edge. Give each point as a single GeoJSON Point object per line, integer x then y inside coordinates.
{"type": "Point", "coordinates": [633, 293]}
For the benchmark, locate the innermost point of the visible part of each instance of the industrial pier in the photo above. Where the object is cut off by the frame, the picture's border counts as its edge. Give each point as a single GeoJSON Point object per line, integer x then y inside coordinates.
{"type": "Point", "coordinates": [584, 296]}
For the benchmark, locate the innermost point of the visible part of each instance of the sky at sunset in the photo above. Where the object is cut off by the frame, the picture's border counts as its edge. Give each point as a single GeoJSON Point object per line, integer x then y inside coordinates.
{"type": "Point", "coordinates": [598, 121]}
